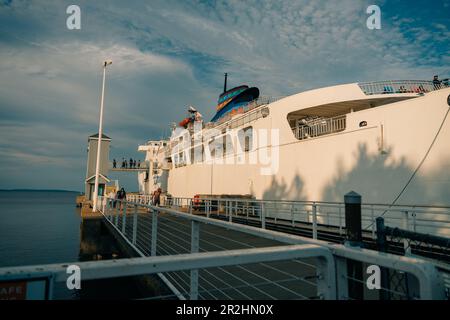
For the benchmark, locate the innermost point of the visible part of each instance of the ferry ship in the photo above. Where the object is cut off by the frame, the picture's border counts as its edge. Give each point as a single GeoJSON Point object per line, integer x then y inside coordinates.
{"type": "Point", "coordinates": [388, 140]}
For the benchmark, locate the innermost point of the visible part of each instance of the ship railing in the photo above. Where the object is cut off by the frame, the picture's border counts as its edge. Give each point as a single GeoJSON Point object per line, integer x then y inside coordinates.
{"type": "Point", "coordinates": [401, 86]}
{"type": "Point", "coordinates": [142, 166]}
{"type": "Point", "coordinates": [418, 218]}
{"type": "Point", "coordinates": [203, 258]}
{"type": "Point", "coordinates": [246, 114]}
{"type": "Point", "coordinates": [320, 127]}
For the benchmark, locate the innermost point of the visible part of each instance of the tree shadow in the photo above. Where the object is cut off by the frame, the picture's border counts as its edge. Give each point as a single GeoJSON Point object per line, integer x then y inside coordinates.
{"type": "Point", "coordinates": [281, 190]}
{"type": "Point", "coordinates": [380, 180]}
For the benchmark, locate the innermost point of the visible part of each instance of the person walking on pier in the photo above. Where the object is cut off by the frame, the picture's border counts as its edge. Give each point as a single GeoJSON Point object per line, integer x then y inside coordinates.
{"type": "Point", "coordinates": [126, 164]}
{"type": "Point", "coordinates": [114, 163]}
{"type": "Point", "coordinates": [122, 196]}
{"type": "Point", "coordinates": [131, 163]}
{"type": "Point", "coordinates": [139, 164]}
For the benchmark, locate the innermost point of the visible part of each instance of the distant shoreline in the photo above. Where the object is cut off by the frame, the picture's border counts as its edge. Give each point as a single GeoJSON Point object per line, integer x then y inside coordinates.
{"type": "Point", "coordinates": [38, 190]}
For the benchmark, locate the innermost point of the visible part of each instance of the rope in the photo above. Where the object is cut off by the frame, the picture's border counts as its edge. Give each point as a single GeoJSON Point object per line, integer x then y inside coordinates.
{"type": "Point", "coordinates": [417, 168]}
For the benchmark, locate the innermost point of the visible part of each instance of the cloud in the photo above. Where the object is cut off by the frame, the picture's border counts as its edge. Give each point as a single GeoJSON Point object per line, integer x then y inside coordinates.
{"type": "Point", "coordinates": [170, 54]}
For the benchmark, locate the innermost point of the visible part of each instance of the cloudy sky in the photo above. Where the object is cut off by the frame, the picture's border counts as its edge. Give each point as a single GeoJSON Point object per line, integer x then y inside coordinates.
{"type": "Point", "coordinates": [171, 54]}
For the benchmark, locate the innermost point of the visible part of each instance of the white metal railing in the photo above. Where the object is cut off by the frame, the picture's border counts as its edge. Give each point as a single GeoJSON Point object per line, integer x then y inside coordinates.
{"type": "Point", "coordinates": [401, 86]}
{"type": "Point", "coordinates": [141, 166]}
{"type": "Point", "coordinates": [261, 101]}
{"type": "Point", "coordinates": [155, 231]}
{"type": "Point", "coordinates": [320, 127]}
{"type": "Point", "coordinates": [418, 218]}
{"type": "Point", "coordinates": [139, 198]}
{"type": "Point", "coordinates": [175, 263]}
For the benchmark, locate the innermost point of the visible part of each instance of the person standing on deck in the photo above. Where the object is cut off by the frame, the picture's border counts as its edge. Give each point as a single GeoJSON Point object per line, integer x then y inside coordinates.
{"type": "Point", "coordinates": [157, 197]}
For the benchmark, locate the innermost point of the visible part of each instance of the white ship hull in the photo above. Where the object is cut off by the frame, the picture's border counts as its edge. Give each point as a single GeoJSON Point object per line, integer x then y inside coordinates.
{"type": "Point", "coordinates": [376, 160]}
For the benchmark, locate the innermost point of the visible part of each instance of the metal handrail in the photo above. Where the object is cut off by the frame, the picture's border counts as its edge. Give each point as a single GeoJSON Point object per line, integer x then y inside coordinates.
{"type": "Point", "coordinates": [426, 219]}
{"type": "Point", "coordinates": [261, 101]}
{"type": "Point", "coordinates": [331, 274]}
{"type": "Point", "coordinates": [426, 272]}
{"type": "Point", "coordinates": [320, 127]}
{"type": "Point", "coordinates": [400, 86]}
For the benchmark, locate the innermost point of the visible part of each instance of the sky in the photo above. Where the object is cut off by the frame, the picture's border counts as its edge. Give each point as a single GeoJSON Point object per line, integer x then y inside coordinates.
{"type": "Point", "coordinates": [168, 55]}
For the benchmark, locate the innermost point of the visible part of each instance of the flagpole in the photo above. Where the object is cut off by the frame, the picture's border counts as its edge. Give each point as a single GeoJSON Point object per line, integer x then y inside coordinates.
{"type": "Point", "coordinates": [100, 134]}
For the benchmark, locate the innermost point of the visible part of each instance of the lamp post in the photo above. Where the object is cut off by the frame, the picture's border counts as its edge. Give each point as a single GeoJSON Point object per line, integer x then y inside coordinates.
{"type": "Point", "coordinates": [100, 134]}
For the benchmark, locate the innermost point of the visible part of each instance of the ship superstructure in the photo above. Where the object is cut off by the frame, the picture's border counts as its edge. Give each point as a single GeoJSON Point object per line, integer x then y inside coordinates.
{"type": "Point", "coordinates": [389, 141]}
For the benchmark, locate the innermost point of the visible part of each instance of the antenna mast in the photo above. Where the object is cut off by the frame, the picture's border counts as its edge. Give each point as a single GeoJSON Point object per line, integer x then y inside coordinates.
{"type": "Point", "coordinates": [225, 83]}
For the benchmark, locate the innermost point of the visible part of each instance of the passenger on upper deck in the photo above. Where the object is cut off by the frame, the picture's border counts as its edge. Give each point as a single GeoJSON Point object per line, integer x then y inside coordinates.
{"type": "Point", "coordinates": [445, 82]}
{"type": "Point", "coordinates": [436, 82]}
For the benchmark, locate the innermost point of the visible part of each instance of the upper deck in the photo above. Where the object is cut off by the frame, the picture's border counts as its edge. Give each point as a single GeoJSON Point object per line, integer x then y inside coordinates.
{"type": "Point", "coordinates": [314, 112]}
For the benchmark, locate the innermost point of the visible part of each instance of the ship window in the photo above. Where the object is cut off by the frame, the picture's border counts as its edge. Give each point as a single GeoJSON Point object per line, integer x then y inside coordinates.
{"type": "Point", "coordinates": [305, 127]}
{"type": "Point", "coordinates": [245, 137]}
{"type": "Point", "coordinates": [227, 144]}
{"type": "Point", "coordinates": [216, 147]}
{"type": "Point", "coordinates": [197, 154]}
{"type": "Point", "coordinates": [212, 148]}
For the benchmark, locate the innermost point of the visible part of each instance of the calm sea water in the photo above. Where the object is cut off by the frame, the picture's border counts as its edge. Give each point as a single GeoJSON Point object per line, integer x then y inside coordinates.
{"type": "Point", "coordinates": [38, 227]}
{"type": "Point", "coordinates": [42, 227]}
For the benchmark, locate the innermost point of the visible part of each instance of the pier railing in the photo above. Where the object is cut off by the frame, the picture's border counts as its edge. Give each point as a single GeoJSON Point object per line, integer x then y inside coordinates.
{"type": "Point", "coordinates": [204, 258]}
{"type": "Point", "coordinates": [417, 218]}
{"type": "Point", "coordinates": [154, 231]}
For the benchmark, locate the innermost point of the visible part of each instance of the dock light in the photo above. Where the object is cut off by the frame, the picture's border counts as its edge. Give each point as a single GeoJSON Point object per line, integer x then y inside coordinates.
{"type": "Point", "coordinates": [100, 135]}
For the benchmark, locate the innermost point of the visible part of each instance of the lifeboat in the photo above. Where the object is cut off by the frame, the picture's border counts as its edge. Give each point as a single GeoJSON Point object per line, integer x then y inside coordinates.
{"type": "Point", "coordinates": [184, 122]}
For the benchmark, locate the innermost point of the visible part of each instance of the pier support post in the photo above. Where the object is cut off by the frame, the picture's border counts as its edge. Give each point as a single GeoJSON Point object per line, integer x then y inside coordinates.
{"type": "Point", "coordinates": [354, 238]}
{"type": "Point", "coordinates": [263, 216]}
{"type": "Point", "coordinates": [406, 243]}
{"type": "Point", "coordinates": [353, 218]}
{"type": "Point", "coordinates": [195, 246]}
{"type": "Point", "coordinates": [135, 223]}
{"type": "Point", "coordinates": [108, 208]}
{"type": "Point", "coordinates": [124, 216]}
{"type": "Point", "coordinates": [382, 247]}
{"type": "Point", "coordinates": [116, 218]}
{"type": "Point", "coordinates": [154, 232]}
{"type": "Point", "coordinates": [314, 222]}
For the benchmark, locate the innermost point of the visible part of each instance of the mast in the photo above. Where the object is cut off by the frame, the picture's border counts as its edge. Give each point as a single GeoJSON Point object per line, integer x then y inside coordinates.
{"type": "Point", "coordinates": [225, 83]}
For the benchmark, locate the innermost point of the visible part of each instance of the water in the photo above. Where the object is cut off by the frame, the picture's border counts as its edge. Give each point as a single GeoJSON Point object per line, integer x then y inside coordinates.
{"type": "Point", "coordinates": [43, 227]}
{"type": "Point", "coordinates": [38, 227]}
